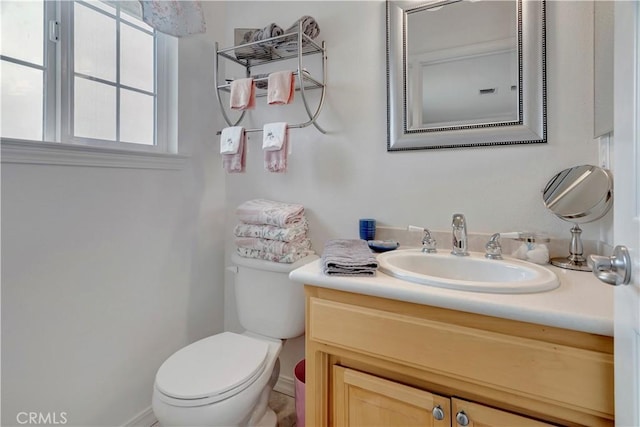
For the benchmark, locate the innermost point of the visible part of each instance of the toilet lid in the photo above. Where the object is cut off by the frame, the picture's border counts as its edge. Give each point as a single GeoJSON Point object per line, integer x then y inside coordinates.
{"type": "Point", "coordinates": [212, 366]}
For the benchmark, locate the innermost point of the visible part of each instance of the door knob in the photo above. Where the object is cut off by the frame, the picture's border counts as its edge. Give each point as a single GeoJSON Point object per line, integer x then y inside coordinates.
{"type": "Point", "coordinates": [462, 419]}
{"type": "Point", "coordinates": [438, 413]}
{"type": "Point", "coordinates": [614, 270]}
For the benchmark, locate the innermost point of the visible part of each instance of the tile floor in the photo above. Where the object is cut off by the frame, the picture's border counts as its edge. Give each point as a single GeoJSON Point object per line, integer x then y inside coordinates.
{"type": "Point", "coordinates": [284, 406]}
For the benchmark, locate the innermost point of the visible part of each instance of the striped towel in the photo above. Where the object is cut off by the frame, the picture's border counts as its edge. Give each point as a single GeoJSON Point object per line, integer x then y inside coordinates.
{"type": "Point", "coordinates": [348, 257]}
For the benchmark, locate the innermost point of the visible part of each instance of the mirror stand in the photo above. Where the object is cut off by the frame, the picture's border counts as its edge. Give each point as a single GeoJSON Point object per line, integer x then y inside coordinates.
{"type": "Point", "coordinates": [580, 194]}
{"type": "Point", "coordinates": [575, 260]}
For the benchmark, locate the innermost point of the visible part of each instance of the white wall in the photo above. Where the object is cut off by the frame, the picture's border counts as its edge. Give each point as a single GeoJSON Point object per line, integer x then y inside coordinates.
{"type": "Point", "coordinates": [106, 272]}
{"type": "Point", "coordinates": [348, 174]}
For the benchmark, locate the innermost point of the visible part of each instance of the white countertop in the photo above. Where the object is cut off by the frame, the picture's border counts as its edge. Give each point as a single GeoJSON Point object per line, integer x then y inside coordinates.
{"type": "Point", "coordinates": [580, 303]}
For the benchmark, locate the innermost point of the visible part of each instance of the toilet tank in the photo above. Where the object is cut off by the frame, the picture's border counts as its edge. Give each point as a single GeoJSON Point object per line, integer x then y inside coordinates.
{"type": "Point", "coordinates": [268, 302]}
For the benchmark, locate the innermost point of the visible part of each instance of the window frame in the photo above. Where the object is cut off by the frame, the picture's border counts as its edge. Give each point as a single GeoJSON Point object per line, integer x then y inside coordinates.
{"type": "Point", "coordinates": [59, 146]}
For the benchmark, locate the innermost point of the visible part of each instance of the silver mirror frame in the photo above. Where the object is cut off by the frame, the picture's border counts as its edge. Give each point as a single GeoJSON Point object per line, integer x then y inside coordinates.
{"type": "Point", "coordinates": [530, 129]}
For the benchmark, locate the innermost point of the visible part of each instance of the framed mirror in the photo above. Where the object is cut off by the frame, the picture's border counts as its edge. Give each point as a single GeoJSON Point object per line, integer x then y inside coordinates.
{"type": "Point", "coordinates": [465, 73]}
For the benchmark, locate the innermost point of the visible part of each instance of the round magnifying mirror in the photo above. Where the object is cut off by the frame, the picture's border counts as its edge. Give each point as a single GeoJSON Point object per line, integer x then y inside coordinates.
{"type": "Point", "coordinates": [579, 195]}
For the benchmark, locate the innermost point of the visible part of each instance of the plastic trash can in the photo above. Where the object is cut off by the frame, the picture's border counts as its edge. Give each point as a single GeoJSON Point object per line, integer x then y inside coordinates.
{"type": "Point", "coordinates": [298, 378]}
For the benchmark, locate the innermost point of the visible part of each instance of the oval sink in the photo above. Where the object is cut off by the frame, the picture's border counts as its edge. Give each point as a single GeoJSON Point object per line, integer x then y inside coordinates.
{"type": "Point", "coordinates": [469, 273]}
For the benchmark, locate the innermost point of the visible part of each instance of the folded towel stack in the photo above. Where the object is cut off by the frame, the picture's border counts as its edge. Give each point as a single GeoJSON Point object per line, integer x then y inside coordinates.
{"type": "Point", "coordinates": [348, 257]}
{"type": "Point", "coordinates": [273, 231]}
{"type": "Point", "coordinates": [263, 49]}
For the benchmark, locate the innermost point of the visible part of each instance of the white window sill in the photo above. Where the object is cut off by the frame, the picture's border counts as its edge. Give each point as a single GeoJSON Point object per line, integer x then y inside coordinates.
{"type": "Point", "coordinates": [53, 153]}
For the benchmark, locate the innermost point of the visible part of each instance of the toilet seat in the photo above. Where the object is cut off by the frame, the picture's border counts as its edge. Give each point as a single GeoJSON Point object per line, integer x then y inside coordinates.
{"type": "Point", "coordinates": [211, 370]}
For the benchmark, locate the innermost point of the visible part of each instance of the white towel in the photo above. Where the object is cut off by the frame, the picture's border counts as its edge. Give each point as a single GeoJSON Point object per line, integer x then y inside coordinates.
{"type": "Point", "coordinates": [235, 163]}
{"type": "Point", "coordinates": [243, 94]}
{"type": "Point", "coordinates": [273, 136]}
{"type": "Point", "coordinates": [230, 139]}
{"type": "Point", "coordinates": [282, 86]}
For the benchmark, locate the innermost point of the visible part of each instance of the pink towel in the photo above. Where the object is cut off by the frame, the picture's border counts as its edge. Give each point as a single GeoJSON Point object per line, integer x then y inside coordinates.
{"type": "Point", "coordinates": [243, 94]}
{"type": "Point", "coordinates": [276, 160]}
{"type": "Point", "coordinates": [282, 85]}
{"type": "Point", "coordinates": [234, 163]}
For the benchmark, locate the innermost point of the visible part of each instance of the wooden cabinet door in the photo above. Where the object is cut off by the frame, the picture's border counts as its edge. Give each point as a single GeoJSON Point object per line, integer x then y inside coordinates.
{"type": "Point", "coordinates": [363, 400]}
{"type": "Point", "coordinates": [474, 415]}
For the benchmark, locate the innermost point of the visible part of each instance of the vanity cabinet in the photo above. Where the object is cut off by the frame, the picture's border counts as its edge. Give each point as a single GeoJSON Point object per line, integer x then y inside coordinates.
{"type": "Point", "coordinates": [378, 362]}
{"type": "Point", "coordinates": [361, 399]}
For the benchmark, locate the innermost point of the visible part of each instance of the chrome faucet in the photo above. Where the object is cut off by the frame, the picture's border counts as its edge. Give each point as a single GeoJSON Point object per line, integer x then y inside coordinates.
{"type": "Point", "coordinates": [459, 226]}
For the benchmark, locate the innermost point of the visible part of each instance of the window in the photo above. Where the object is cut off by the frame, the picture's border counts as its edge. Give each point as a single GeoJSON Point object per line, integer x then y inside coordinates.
{"type": "Point", "coordinates": [87, 73]}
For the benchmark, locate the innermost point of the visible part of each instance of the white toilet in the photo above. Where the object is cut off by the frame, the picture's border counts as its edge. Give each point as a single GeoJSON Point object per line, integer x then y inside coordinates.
{"type": "Point", "coordinates": [225, 379]}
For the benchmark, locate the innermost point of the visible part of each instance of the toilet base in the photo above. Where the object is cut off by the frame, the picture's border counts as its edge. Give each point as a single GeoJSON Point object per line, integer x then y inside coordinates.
{"type": "Point", "coordinates": [247, 408]}
{"type": "Point", "coordinates": [269, 419]}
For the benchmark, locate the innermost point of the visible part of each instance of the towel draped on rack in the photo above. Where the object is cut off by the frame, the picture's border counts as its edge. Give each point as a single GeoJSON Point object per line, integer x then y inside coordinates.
{"type": "Point", "coordinates": [235, 162]}
{"type": "Point", "coordinates": [243, 94]}
{"type": "Point", "coordinates": [281, 87]}
{"type": "Point", "coordinates": [230, 138]}
{"type": "Point", "coordinates": [275, 143]}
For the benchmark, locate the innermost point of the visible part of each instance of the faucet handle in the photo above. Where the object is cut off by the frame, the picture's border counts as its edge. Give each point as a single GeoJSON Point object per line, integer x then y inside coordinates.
{"type": "Point", "coordinates": [493, 247]}
{"type": "Point", "coordinates": [428, 243]}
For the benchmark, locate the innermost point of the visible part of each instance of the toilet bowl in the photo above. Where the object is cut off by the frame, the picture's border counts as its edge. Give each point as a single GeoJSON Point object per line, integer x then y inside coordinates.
{"type": "Point", "coordinates": [226, 379]}
{"type": "Point", "coordinates": [217, 381]}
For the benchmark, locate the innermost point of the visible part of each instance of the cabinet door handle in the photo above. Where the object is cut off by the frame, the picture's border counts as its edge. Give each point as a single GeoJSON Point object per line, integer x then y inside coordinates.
{"type": "Point", "coordinates": [438, 413]}
{"type": "Point", "coordinates": [462, 419]}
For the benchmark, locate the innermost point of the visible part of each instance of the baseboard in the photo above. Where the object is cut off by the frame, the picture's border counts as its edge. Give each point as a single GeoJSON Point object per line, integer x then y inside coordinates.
{"type": "Point", "coordinates": [285, 385]}
{"type": "Point", "coordinates": [143, 419]}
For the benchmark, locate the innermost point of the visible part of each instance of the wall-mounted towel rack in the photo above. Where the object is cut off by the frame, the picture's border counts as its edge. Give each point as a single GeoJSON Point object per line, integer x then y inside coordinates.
{"type": "Point", "coordinates": [288, 46]}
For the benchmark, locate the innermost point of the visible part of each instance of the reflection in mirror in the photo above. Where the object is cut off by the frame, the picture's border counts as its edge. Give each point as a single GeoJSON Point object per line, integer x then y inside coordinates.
{"type": "Point", "coordinates": [471, 77]}
{"type": "Point", "coordinates": [579, 195]}
{"type": "Point", "coordinates": [464, 73]}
